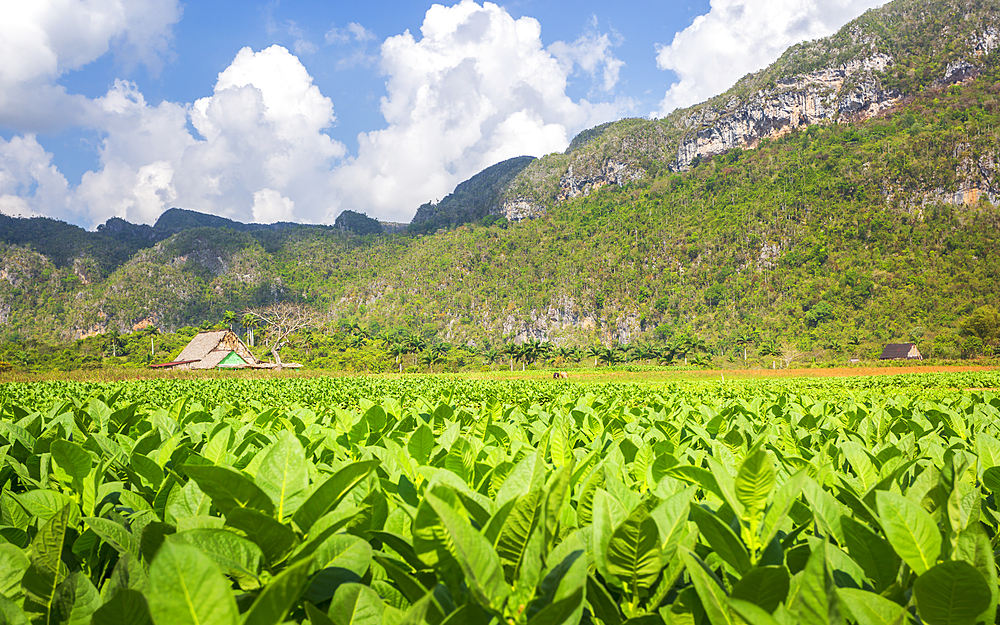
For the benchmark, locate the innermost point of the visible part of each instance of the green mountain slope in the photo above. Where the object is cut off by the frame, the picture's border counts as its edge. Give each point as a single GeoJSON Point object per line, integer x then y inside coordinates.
{"type": "Point", "coordinates": [829, 237]}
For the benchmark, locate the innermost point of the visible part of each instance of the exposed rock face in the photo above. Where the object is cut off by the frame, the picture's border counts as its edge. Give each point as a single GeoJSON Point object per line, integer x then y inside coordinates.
{"type": "Point", "coordinates": [520, 208]}
{"type": "Point", "coordinates": [851, 91]}
{"type": "Point", "coordinates": [616, 172]}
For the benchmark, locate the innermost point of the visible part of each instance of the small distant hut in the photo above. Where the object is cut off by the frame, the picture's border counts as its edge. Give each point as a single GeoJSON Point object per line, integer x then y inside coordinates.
{"type": "Point", "coordinates": [901, 351]}
{"type": "Point", "coordinates": [210, 350]}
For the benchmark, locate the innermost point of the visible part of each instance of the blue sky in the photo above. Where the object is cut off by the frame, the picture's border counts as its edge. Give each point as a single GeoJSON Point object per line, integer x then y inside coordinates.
{"type": "Point", "coordinates": [298, 110]}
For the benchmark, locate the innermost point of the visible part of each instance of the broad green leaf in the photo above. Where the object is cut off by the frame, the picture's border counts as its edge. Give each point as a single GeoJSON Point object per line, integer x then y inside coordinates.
{"type": "Point", "coordinates": [76, 600]}
{"type": "Point", "coordinates": [284, 475]}
{"type": "Point", "coordinates": [910, 529]}
{"type": "Point", "coordinates": [951, 593]}
{"type": "Point", "coordinates": [331, 492]}
{"type": "Point", "coordinates": [11, 613]}
{"type": "Point", "coordinates": [765, 586]}
{"type": "Point", "coordinates": [634, 553]}
{"type": "Point", "coordinates": [973, 546]}
{"type": "Point", "coordinates": [126, 607]}
{"type": "Point", "coordinates": [274, 539]}
{"type": "Point", "coordinates": [479, 562]}
{"type": "Point", "coordinates": [115, 535]}
{"type": "Point", "coordinates": [816, 600]}
{"type": "Point", "coordinates": [13, 563]}
{"type": "Point", "coordinates": [421, 444]}
{"type": "Point", "coordinates": [709, 588]}
{"type": "Point", "coordinates": [229, 489]}
{"type": "Point", "coordinates": [872, 552]}
{"type": "Point", "coordinates": [751, 613]}
{"type": "Point", "coordinates": [868, 608]}
{"type": "Point", "coordinates": [186, 587]}
{"type": "Point", "coordinates": [44, 504]}
{"type": "Point", "coordinates": [517, 529]}
{"type": "Point", "coordinates": [754, 483]}
{"type": "Point", "coordinates": [559, 612]}
{"type": "Point", "coordinates": [356, 604]}
{"type": "Point", "coordinates": [72, 459]}
{"type": "Point", "coordinates": [47, 569]}
{"type": "Point", "coordinates": [991, 479]}
{"type": "Point", "coordinates": [721, 538]}
{"type": "Point", "coordinates": [279, 595]}
{"type": "Point", "coordinates": [340, 558]}
{"type": "Point", "coordinates": [235, 556]}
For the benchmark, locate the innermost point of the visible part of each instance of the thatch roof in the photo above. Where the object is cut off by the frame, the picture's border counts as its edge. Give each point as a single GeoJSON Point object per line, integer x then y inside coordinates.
{"type": "Point", "coordinates": [208, 349]}
{"type": "Point", "coordinates": [900, 351]}
{"type": "Point", "coordinates": [202, 345]}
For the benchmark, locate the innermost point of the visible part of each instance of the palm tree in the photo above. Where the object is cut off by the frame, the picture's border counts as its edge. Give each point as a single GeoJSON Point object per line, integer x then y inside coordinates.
{"type": "Point", "coordinates": [595, 351]}
{"type": "Point", "coordinates": [249, 323]}
{"type": "Point", "coordinates": [229, 318]}
{"type": "Point", "coordinates": [415, 344]}
{"type": "Point", "coordinates": [397, 350]}
{"type": "Point", "coordinates": [744, 339]}
{"type": "Point", "coordinates": [113, 340]}
{"type": "Point", "coordinates": [490, 356]}
{"type": "Point", "coordinates": [511, 351]}
{"type": "Point", "coordinates": [430, 358]}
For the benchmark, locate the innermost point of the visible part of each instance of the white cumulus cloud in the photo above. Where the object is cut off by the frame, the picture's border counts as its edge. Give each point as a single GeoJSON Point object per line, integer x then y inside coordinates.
{"type": "Point", "coordinates": [43, 39]}
{"type": "Point", "coordinates": [476, 88]}
{"type": "Point", "coordinates": [737, 37]}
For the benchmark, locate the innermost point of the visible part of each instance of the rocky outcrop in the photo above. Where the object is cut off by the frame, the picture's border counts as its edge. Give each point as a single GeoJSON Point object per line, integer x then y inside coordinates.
{"type": "Point", "coordinates": [850, 91]}
{"type": "Point", "coordinates": [575, 184]}
{"type": "Point", "coordinates": [518, 208]}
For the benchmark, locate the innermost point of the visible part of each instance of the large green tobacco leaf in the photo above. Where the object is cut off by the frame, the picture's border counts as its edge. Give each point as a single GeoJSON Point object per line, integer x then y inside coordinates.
{"type": "Point", "coordinates": [754, 483]}
{"type": "Point", "coordinates": [76, 600]}
{"type": "Point", "coordinates": [709, 588]}
{"type": "Point", "coordinates": [236, 556]}
{"type": "Point", "coordinates": [126, 607]}
{"type": "Point", "coordinates": [634, 552]}
{"type": "Point", "coordinates": [356, 604]}
{"type": "Point", "coordinates": [340, 558]}
{"type": "Point", "coordinates": [13, 563]}
{"type": "Point", "coordinates": [115, 535]}
{"type": "Point", "coordinates": [751, 613]}
{"type": "Point", "coordinates": [186, 588]}
{"type": "Point", "coordinates": [331, 492]}
{"type": "Point", "coordinates": [867, 608]}
{"type": "Point", "coordinates": [279, 595]}
{"type": "Point", "coordinates": [816, 600]}
{"type": "Point", "coordinates": [910, 529]}
{"type": "Point", "coordinates": [47, 569]}
{"type": "Point", "coordinates": [72, 459]}
{"type": "Point", "coordinates": [229, 489]}
{"type": "Point", "coordinates": [284, 474]}
{"type": "Point", "coordinates": [951, 593]}
{"type": "Point", "coordinates": [872, 552]}
{"type": "Point", "coordinates": [722, 539]}
{"type": "Point", "coordinates": [517, 529]}
{"type": "Point", "coordinates": [480, 563]}
{"type": "Point", "coordinates": [765, 586]}
{"type": "Point", "coordinates": [274, 539]}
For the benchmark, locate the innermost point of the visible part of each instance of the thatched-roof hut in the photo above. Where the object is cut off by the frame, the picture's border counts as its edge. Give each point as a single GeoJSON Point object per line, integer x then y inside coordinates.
{"type": "Point", "coordinates": [901, 351]}
{"type": "Point", "coordinates": [210, 350]}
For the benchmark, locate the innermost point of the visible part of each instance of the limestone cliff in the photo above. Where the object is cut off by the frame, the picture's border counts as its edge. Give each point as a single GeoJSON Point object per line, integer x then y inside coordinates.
{"type": "Point", "coordinates": [866, 68]}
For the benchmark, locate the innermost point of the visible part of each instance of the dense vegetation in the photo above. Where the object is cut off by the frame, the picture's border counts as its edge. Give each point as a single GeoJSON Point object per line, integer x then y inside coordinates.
{"type": "Point", "coordinates": [869, 500]}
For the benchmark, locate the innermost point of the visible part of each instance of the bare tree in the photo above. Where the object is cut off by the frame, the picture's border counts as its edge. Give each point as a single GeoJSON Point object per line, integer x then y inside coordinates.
{"type": "Point", "coordinates": [790, 354]}
{"type": "Point", "coordinates": [280, 321]}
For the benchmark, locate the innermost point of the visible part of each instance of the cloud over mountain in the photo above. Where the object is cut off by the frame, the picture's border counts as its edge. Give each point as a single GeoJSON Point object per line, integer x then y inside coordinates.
{"type": "Point", "coordinates": [737, 37]}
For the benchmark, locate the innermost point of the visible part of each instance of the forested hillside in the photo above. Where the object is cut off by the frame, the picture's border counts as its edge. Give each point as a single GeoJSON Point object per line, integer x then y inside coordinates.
{"type": "Point", "coordinates": [828, 239]}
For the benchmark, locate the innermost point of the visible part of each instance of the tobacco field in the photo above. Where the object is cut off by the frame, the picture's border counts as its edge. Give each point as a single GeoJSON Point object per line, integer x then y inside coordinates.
{"type": "Point", "coordinates": [369, 501]}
